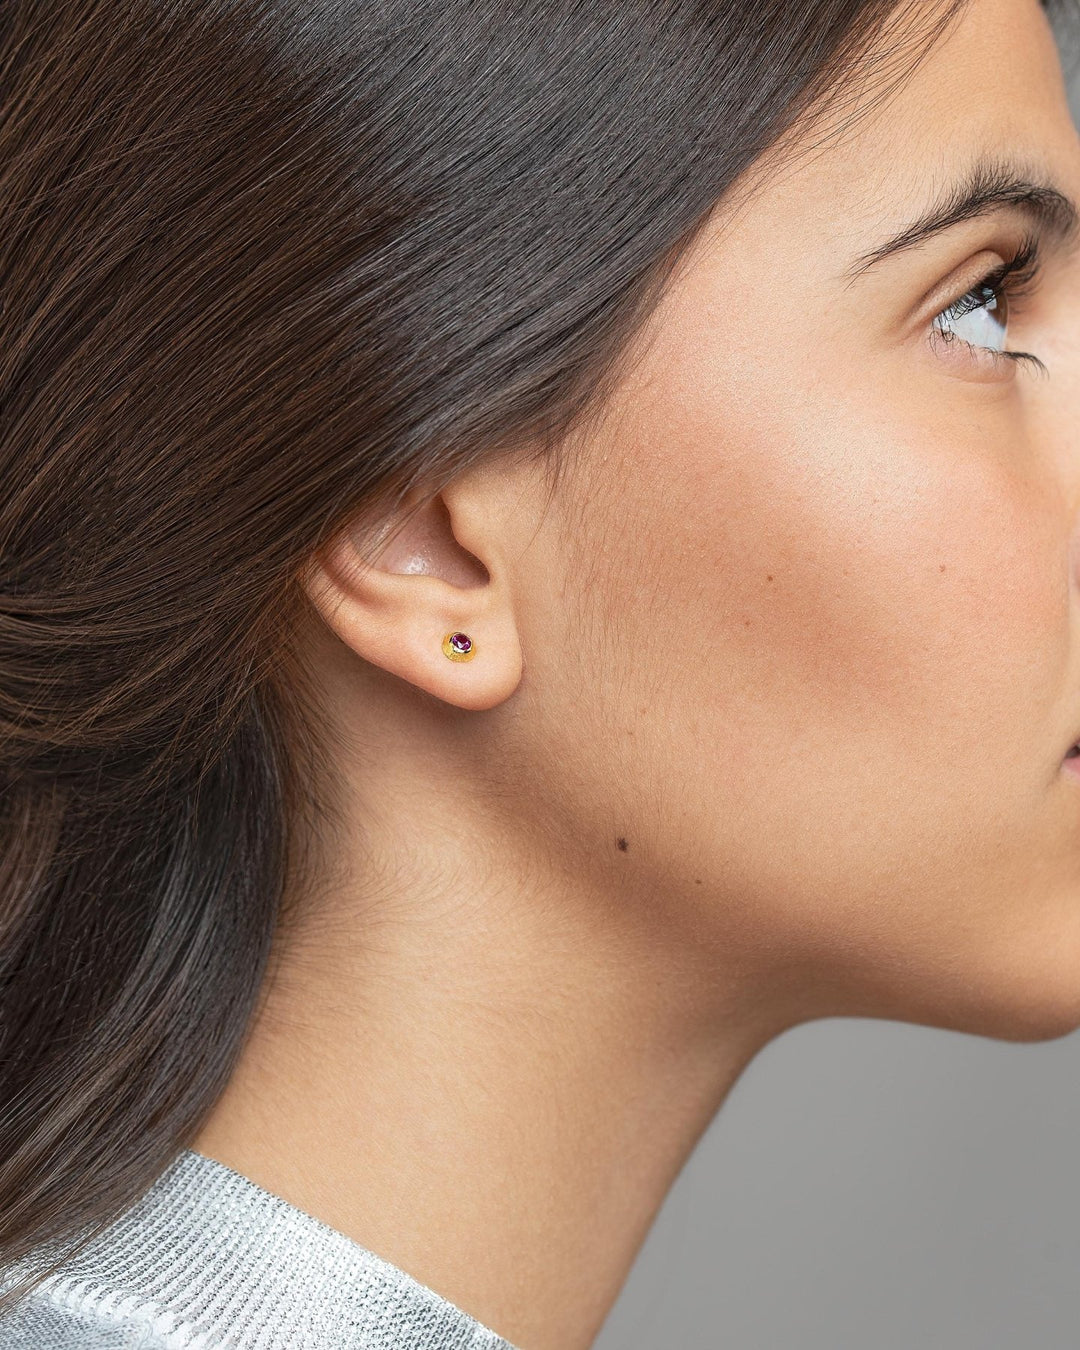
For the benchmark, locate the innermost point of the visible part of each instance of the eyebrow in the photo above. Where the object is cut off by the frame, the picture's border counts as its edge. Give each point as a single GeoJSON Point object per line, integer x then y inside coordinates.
{"type": "Point", "coordinates": [989, 185]}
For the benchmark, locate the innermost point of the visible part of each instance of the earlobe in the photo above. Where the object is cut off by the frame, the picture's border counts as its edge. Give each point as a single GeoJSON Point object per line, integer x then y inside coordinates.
{"type": "Point", "coordinates": [459, 647]}
{"type": "Point", "coordinates": [424, 608]}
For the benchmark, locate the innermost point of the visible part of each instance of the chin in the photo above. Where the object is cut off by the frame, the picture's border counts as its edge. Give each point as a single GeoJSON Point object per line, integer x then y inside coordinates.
{"type": "Point", "coordinates": [1029, 992]}
{"type": "Point", "coordinates": [1021, 983]}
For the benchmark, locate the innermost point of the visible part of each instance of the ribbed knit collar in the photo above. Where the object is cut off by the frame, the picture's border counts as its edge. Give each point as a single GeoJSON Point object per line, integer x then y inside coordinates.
{"type": "Point", "coordinates": [208, 1260]}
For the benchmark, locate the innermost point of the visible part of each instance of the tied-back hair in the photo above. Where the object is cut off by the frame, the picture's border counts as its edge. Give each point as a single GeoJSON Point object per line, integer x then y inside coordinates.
{"type": "Point", "coordinates": [266, 266]}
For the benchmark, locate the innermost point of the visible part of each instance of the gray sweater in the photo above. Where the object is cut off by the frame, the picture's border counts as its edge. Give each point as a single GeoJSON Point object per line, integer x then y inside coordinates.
{"type": "Point", "coordinates": [208, 1260]}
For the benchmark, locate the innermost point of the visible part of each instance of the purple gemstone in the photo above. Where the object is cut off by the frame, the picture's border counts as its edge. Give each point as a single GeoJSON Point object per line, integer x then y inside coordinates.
{"type": "Point", "coordinates": [461, 642]}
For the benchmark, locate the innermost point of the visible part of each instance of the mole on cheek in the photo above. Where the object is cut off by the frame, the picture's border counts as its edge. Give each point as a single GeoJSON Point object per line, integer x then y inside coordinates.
{"type": "Point", "coordinates": [622, 844]}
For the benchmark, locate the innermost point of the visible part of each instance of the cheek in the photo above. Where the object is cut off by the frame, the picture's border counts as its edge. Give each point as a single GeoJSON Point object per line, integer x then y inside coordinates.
{"type": "Point", "coordinates": [844, 586]}
{"type": "Point", "coordinates": [835, 649]}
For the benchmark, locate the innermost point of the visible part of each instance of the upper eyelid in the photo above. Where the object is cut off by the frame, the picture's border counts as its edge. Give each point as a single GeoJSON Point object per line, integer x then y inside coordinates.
{"type": "Point", "coordinates": [1029, 259]}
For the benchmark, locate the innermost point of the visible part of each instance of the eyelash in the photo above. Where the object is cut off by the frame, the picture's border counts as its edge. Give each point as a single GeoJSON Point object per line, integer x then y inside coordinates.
{"type": "Point", "coordinates": [1012, 280]}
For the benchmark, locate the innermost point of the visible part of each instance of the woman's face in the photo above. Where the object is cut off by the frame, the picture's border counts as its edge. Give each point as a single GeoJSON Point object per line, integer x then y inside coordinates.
{"type": "Point", "coordinates": [806, 683]}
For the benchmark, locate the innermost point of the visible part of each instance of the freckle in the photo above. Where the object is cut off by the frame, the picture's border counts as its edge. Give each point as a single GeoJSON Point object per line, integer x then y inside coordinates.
{"type": "Point", "coordinates": [622, 844]}
{"type": "Point", "coordinates": [697, 881]}
{"type": "Point", "coordinates": [768, 578]}
{"type": "Point", "coordinates": [942, 567]}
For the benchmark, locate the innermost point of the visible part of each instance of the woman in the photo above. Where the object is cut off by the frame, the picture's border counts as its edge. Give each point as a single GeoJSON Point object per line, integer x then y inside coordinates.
{"type": "Point", "coordinates": [539, 549]}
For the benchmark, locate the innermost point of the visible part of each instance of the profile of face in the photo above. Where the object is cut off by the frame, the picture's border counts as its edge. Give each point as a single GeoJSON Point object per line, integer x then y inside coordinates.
{"type": "Point", "coordinates": [780, 684]}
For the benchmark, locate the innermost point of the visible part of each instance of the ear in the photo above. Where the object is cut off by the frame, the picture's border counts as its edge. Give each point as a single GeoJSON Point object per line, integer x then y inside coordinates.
{"type": "Point", "coordinates": [444, 569]}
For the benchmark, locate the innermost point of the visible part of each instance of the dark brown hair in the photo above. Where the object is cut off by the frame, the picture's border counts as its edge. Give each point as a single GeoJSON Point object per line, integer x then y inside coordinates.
{"type": "Point", "coordinates": [266, 265]}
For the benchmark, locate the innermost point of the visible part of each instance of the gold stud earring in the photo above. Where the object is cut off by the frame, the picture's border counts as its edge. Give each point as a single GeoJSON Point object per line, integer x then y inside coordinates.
{"type": "Point", "coordinates": [458, 647]}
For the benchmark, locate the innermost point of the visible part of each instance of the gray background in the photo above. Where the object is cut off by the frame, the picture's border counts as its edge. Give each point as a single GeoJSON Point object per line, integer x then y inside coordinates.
{"type": "Point", "coordinates": [871, 1185]}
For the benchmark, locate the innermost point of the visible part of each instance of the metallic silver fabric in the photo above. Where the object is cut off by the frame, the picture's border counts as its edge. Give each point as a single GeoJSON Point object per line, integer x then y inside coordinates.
{"type": "Point", "coordinates": [208, 1260]}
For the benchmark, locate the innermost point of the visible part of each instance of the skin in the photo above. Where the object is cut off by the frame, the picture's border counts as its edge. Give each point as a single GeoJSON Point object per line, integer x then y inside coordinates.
{"type": "Point", "coordinates": [801, 628]}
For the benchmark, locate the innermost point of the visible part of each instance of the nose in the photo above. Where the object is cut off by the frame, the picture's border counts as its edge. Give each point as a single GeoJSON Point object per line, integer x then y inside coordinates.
{"type": "Point", "coordinates": [1051, 401]}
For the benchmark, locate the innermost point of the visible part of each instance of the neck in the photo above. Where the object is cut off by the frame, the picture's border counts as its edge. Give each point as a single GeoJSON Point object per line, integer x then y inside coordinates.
{"type": "Point", "coordinates": [492, 1084]}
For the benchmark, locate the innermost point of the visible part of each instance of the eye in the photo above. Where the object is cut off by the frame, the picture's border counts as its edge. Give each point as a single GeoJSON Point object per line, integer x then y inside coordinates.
{"type": "Point", "coordinates": [980, 317]}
